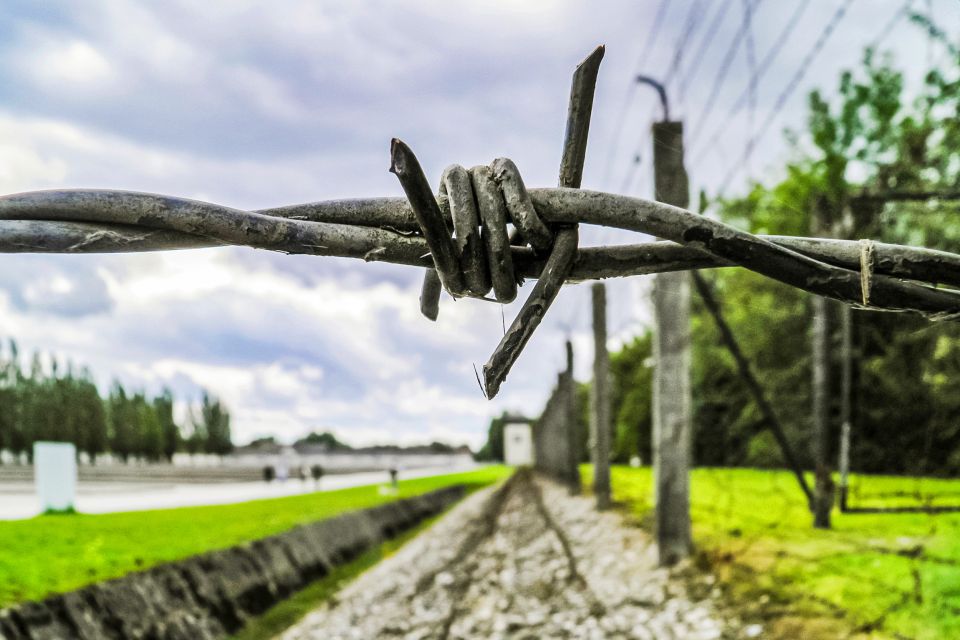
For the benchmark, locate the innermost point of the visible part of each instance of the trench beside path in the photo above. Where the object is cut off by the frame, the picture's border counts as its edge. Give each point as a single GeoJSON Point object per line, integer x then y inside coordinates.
{"type": "Point", "coordinates": [524, 560]}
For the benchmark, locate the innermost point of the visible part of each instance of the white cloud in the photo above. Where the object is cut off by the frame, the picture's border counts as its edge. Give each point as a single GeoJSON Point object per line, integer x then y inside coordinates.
{"type": "Point", "coordinates": [74, 66]}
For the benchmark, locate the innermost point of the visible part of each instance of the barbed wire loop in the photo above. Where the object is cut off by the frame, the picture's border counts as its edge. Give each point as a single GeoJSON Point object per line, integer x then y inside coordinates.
{"type": "Point", "coordinates": [480, 203]}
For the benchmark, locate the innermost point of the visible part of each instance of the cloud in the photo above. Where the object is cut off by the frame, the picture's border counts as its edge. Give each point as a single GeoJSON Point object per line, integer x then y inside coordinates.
{"type": "Point", "coordinates": [50, 287]}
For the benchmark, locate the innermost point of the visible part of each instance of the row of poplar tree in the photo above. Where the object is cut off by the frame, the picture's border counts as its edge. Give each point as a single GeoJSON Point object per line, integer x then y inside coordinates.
{"type": "Point", "coordinates": [62, 403]}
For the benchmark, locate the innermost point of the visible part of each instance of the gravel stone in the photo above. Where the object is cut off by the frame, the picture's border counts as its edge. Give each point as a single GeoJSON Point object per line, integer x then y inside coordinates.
{"type": "Point", "coordinates": [525, 560]}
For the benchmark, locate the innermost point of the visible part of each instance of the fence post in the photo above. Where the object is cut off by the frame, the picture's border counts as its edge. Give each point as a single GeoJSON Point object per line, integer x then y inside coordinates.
{"type": "Point", "coordinates": [846, 388]}
{"type": "Point", "coordinates": [820, 368]}
{"type": "Point", "coordinates": [671, 349]}
{"type": "Point", "coordinates": [572, 424]}
{"type": "Point", "coordinates": [600, 399]}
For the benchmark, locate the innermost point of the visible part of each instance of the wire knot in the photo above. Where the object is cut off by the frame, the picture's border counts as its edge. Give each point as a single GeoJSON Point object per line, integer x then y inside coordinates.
{"type": "Point", "coordinates": [480, 202]}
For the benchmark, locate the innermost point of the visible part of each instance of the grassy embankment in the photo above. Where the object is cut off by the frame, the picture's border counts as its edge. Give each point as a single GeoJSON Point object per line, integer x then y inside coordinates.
{"type": "Point", "coordinates": [54, 554]}
{"type": "Point", "coordinates": [890, 575]}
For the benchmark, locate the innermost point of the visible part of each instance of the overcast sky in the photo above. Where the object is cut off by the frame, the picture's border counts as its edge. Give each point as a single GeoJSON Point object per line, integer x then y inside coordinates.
{"type": "Point", "coordinates": [257, 104]}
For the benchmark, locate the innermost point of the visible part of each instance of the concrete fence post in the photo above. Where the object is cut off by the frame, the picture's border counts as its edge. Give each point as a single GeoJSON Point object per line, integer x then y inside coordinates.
{"type": "Point", "coordinates": [572, 433]}
{"type": "Point", "coordinates": [820, 371]}
{"type": "Point", "coordinates": [672, 420]}
{"type": "Point", "coordinates": [846, 389]}
{"type": "Point", "coordinates": [600, 399]}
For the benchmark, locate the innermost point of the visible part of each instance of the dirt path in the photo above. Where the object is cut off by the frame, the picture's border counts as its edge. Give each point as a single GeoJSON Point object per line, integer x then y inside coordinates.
{"type": "Point", "coordinates": [522, 561]}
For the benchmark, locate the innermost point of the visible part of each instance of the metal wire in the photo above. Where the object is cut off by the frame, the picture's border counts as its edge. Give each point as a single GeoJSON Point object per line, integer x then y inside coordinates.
{"type": "Point", "coordinates": [781, 101]}
{"type": "Point", "coordinates": [461, 236]}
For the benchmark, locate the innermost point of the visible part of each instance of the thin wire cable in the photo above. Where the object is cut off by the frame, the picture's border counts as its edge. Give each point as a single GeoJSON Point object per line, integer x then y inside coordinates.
{"type": "Point", "coordinates": [891, 24]}
{"type": "Point", "coordinates": [722, 72]}
{"type": "Point", "coordinates": [792, 85]}
{"type": "Point", "coordinates": [690, 24]}
{"type": "Point", "coordinates": [652, 36]}
{"type": "Point", "coordinates": [673, 75]}
{"type": "Point", "coordinates": [708, 39]}
{"type": "Point", "coordinates": [782, 38]}
{"type": "Point", "coordinates": [751, 68]}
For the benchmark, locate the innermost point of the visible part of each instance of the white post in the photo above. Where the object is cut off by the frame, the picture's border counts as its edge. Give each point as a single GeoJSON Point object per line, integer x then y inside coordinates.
{"type": "Point", "coordinates": [55, 474]}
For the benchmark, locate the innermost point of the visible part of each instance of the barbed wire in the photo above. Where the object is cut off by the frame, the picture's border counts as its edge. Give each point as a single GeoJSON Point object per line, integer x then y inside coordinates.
{"type": "Point", "coordinates": [387, 230]}
{"type": "Point", "coordinates": [462, 237]}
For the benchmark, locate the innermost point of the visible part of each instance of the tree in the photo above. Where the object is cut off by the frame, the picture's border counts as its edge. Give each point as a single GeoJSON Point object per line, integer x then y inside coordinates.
{"type": "Point", "coordinates": [325, 439]}
{"type": "Point", "coordinates": [631, 388]}
{"type": "Point", "coordinates": [868, 140]}
{"type": "Point", "coordinates": [149, 434]}
{"type": "Point", "coordinates": [64, 404]}
{"type": "Point", "coordinates": [122, 422]}
{"type": "Point", "coordinates": [215, 421]}
{"type": "Point", "coordinates": [91, 414]}
{"type": "Point", "coordinates": [493, 449]}
{"type": "Point", "coordinates": [170, 432]}
{"type": "Point", "coordinates": [17, 439]}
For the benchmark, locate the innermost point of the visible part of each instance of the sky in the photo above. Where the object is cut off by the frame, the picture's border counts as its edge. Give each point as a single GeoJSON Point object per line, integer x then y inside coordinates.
{"type": "Point", "coordinates": [256, 104]}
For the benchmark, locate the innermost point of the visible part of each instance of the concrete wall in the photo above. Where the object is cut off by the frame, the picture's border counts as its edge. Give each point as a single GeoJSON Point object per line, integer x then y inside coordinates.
{"type": "Point", "coordinates": [555, 442]}
{"type": "Point", "coordinates": [211, 595]}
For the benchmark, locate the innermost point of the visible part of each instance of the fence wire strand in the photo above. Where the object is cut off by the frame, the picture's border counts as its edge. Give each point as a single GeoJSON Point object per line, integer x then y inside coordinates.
{"type": "Point", "coordinates": [461, 236]}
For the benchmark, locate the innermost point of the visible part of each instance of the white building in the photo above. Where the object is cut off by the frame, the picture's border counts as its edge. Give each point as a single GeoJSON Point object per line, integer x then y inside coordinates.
{"type": "Point", "coordinates": [518, 444]}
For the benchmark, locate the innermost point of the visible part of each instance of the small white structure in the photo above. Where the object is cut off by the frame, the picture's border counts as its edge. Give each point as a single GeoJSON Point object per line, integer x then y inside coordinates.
{"type": "Point", "coordinates": [55, 475]}
{"type": "Point", "coordinates": [518, 444]}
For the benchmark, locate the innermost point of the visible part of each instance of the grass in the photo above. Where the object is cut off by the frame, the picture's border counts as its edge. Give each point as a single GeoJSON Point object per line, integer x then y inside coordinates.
{"type": "Point", "coordinates": [876, 576]}
{"type": "Point", "coordinates": [54, 554]}
{"type": "Point", "coordinates": [288, 612]}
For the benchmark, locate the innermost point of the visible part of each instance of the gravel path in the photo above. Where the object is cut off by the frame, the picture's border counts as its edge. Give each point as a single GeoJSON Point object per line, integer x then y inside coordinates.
{"type": "Point", "coordinates": [522, 561]}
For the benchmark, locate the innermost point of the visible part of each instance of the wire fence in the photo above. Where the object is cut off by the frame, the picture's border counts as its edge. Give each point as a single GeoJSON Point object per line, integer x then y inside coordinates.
{"type": "Point", "coordinates": [486, 231]}
{"type": "Point", "coordinates": [556, 437]}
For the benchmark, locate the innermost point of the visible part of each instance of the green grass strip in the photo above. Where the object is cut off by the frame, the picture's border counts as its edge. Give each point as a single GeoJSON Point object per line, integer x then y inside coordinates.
{"type": "Point", "coordinates": [54, 554]}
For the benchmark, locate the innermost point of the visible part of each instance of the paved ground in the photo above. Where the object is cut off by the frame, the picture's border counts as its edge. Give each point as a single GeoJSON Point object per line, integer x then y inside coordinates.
{"type": "Point", "coordinates": [18, 499]}
{"type": "Point", "coordinates": [525, 562]}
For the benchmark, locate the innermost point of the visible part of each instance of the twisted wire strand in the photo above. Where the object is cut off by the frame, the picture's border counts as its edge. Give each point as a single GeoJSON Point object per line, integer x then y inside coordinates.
{"type": "Point", "coordinates": [385, 229]}
{"type": "Point", "coordinates": [461, 238]}
{"type": "Point", "coordinates": [481, 202]}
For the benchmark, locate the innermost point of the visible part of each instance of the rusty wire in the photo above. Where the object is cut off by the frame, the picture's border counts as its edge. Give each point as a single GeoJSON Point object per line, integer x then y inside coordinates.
{"type": "Point", "coordinates": [462, 234]}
